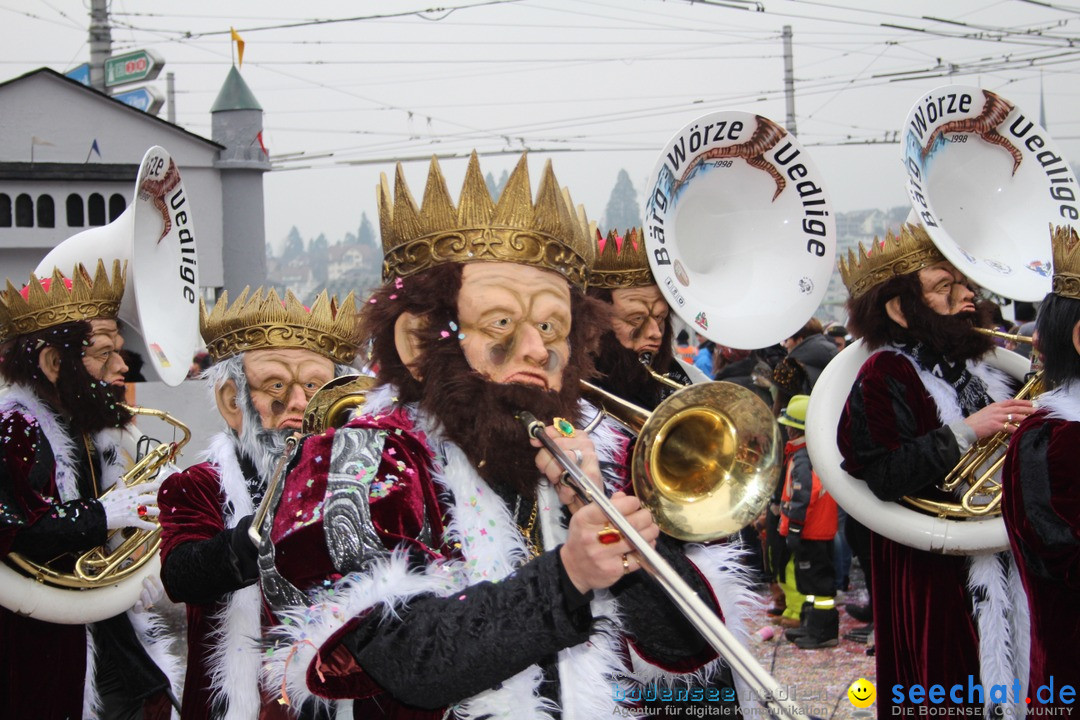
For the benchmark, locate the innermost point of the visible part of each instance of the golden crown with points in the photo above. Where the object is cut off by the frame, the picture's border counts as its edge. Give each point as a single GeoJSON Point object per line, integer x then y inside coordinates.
{"type": "Point", "coordinates": [549, 234]}
{"type": "Point", "coordinates": [910, 251]}
{"type": "Point", "coordinates": [1066, 261]}
{"type": "Point", "coordinates": [620, 262]}
{"type": "Point", "coordinates": [87, 299]}
{"type": "Point", "coordinates": [264, 321]}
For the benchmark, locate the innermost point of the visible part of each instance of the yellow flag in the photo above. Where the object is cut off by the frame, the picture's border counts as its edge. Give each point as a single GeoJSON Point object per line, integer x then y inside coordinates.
{"type": "Point", "coordinates": [239, 46]}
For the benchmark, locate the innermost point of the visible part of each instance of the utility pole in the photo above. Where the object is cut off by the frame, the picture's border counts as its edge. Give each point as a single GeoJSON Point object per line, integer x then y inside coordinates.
{"type": "Point", "coordinates": [100, 42]}
{"type": "Point", "coordinates": [789, 81]}
{"type": "Point", "coordinates": [170, 97]}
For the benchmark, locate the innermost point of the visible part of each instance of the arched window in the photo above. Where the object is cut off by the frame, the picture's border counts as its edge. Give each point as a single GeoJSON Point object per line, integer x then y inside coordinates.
{"type": "Point", "coordinates": [24, 211]}
{"type": "Point", "coordinates": [5, 210]}
{"type": "Point", "coordinates": [95, 209]}
{"type": "Point", "coordinates": [46, 211]}
{"type": "Point", "coordinates": [117, 205]}
{"type": "Point", "coordinates": [76, 215]}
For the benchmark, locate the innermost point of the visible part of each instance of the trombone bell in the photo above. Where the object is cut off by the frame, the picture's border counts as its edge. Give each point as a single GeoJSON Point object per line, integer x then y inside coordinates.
{"type": "Point", "coordinates": [706, 461]}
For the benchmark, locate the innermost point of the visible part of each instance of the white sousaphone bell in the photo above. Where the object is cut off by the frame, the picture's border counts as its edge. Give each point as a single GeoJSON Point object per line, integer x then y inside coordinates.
{"type": "Point", "coordinates": [740, 230]}
{"type": "Point", "coordinates": [155, 235]}
{"type": "Point", "coordinates": [741, 239]}
{"type": "Point", "coordinates": [987, 183]}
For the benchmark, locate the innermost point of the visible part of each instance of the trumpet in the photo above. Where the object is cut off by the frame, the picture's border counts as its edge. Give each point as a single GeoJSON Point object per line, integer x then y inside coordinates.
{"type": "Point", "coordinates": [980, 466]}
{"type": "Point", "coordinates": [766, 689]}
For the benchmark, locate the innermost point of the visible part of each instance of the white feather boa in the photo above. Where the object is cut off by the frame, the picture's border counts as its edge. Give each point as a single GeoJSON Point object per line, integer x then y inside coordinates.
{"type": "Point", "coordinates": [1062, 403]}
{"type": "Point", "coordinates": [234, 661]}
{"type": "Point", "coordinates": [585, 671]}
{"type": "Point", "coordinates": [149, 628]}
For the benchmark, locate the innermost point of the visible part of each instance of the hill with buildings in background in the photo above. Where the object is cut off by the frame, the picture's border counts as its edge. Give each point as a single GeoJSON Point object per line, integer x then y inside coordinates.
{"type": "Point", "coordinates": [354, 263]}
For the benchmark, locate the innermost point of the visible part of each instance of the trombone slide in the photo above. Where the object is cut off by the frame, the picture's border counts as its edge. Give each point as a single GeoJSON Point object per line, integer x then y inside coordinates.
{"type": "Point", "coordinates": [766, 689]}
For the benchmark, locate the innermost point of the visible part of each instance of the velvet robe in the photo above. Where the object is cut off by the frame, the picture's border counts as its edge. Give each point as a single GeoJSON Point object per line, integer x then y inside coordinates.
{"type": "Point", "coordinates": [890, 435]}
{"type": "Point", "coordinates": [1041, 505]}
{"type": "Point", "coordinates": [490, 628]}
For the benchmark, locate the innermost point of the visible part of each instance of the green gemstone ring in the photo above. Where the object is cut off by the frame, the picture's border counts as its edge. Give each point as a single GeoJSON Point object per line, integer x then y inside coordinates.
{"type": "Point", "coordinates": [564, 426]}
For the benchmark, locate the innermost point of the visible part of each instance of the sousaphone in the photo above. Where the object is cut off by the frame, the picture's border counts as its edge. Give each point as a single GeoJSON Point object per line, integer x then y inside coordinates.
{"type": "Point", "coordinates": [986, 182]}
{"type": "Point", "coordinates": [155, 236]}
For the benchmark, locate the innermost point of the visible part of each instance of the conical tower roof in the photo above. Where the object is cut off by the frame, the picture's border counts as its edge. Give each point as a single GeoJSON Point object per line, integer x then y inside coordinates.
{"type": "Point", "coordinates": [235, 95]}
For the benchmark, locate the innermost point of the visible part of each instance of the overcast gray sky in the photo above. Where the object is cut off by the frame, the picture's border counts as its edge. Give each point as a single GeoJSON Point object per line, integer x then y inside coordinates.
{"type": "Point", "coordinates": [594, 85]}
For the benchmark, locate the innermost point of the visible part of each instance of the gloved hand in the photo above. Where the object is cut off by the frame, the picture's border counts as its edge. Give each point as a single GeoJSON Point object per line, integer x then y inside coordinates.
{"type": "Point", "coordinates": [794, 540]}
{"type": "Point", "coordinates": [152, 590]}
{"type": "Point", "coordinates": [122, 506]}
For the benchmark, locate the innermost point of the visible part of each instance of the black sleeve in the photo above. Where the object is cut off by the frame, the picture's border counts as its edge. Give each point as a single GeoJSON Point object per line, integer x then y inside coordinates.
{"type": "Point", "coordinates": [439, 651]}
{"type": "Point", "coordinates": [658, 628]}
{"type": "Point", "coordinates": [204, 571]}
{"type": "Point", "coordinates": [75, 526]}
{"type": "Point", "coordinates": [917, 462]}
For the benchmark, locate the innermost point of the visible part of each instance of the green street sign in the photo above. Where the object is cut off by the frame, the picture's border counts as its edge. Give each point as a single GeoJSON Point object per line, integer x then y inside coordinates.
{"type": "Point", "coordinates": [138, 66]}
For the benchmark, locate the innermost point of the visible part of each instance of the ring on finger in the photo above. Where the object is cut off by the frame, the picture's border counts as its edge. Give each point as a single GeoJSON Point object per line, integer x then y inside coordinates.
{"type": "Point", "coordinates": [1009, 419]}
{"type": "Point", "coordinates": [578, 457]}
{"type": "Point", "coordinates": [608, 535]}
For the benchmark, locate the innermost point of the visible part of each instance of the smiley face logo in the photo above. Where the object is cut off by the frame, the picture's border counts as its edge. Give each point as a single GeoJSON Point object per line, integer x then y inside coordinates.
{"type": "Point", "coordinates": [861, 693]}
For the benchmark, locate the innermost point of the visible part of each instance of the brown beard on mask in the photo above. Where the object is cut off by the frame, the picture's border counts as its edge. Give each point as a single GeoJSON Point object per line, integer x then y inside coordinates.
{"type": "Point", "coordinates": [479, 416]}
{"type": "Point", "coordinates": [951, 336]}
{"type": "Point", "coordinates": [623, 374]}
{"type": "Point", "coordinates": [90, 405]}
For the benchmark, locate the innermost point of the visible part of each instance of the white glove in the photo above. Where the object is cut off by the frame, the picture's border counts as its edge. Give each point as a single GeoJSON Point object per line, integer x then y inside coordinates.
{"type": "Point", "coordinates": [122, 506]}
{"type": "Point", "coordinates": [152, 590]}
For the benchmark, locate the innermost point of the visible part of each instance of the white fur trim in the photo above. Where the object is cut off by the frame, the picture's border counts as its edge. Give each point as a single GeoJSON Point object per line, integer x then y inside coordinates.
{"type": "Point", "coordinates": [302, 630]}
{"type": "Point", "coordinates": [994, 618]}
{"type": "Point", "coordinates": [235, 658]}
{"type": "Point", "coordinates": [23, 401]}
{"type": "Point", "coordinates": [944, 395]}
{"type": "Point", "coordinates": [379, 400]}
{"type": "Point", "coordinates": [155, 638]}
{"type": "Point", "coordinates": [91, 699]}
{"type": "Point", "coordinates": [1062, 403]}
{"type": "Point", "coordinates": [1020, 619]}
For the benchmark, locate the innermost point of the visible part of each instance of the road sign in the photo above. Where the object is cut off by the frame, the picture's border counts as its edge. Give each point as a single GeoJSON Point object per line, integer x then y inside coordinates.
{"type": "Point", "coordinates": [147, 99]}
{"type": "Point", "coordinates": [132, 67]}
{"type": "Point", "coordinates": [80, 74]}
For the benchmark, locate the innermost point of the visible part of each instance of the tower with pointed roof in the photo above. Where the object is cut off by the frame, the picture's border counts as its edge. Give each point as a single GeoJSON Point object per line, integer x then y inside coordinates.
{"type": "Point", "coordinates": [236, 123]}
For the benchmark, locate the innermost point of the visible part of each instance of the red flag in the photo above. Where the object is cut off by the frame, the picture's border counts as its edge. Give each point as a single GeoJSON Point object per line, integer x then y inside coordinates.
{"type": "Point", "coordinates": [265, 151]}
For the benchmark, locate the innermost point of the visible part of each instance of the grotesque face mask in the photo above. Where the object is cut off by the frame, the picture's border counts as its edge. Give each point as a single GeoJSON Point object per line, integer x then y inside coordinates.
{"type": "Point", "coordinates": [101, 358]}
{"type": "Point", "coordinates": [639, 318]}
{"type": "Point", "coordinates": [282, 381]}
{"type": "Point", "coordinates": [515, 322]}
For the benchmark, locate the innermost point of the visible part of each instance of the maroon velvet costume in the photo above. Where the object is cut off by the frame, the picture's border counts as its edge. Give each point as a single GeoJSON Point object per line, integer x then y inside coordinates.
{"type": "Point", "coordinates": [410, 511]}
{"type": "Point", "coordinates": [1041, 505]}
{"type": "Point", "coordinates": [202, 508]}
{"type": "Point", "coordinates": [61, 649]}
{"type": "Point", "coordinates": [43, 666]}
{"type": "Point", "coordinates": [890, 433]}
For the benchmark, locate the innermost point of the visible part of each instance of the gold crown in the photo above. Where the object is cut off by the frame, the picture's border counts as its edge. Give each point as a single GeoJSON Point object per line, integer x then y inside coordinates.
{"type": "Point", "coordinates": [1066, 261]}
{"type": "Point", "coordinates": [910, 251]}
{"type": "Point", "coordinates": [620, 262]}
{"type": "Point", "coordinates": [549, 235]}
{"type": "Point", "coordinates": [87, 299]}
{"type": "Point", "coordinates": [259, 322]}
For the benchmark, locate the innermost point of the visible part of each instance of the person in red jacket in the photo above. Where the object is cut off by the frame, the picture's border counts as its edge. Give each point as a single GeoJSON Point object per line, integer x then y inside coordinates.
{"type": "Point", "coordinates": [808, 523]}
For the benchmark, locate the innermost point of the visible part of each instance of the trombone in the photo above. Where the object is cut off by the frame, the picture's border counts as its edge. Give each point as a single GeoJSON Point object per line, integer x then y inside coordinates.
{"type": "Point", "coordinates": [765, 688]}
